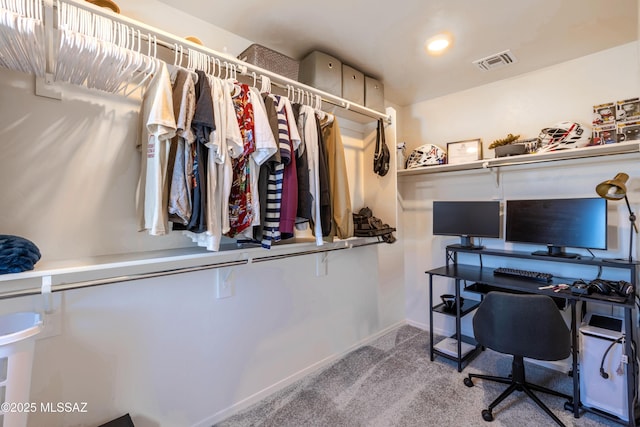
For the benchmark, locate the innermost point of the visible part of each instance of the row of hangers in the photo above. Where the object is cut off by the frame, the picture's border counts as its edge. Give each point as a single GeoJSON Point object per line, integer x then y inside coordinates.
{"type": "Point", "coordinates": [215, 67]}
{"type": "Point", "coordinates": [304, 97]}
{"type": "Point", "coordinates": [115, 55]}
{"type": "Point", "coordinates": [26, 8]}
{"type": "Point", "coordinates": [197, 60]}
{"type": "Point", "coordinates": [100, 53]}
{"type": "Point", "coordinates": [22, 37]}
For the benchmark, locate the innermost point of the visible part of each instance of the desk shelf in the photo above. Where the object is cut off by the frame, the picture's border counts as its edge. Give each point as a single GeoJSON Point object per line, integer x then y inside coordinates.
{"type": "Point", "coordinates": [447, 348]}
{"type": "Point", "coordinates": [454, 353]}
{"type": "Point", "coordinates": [581, 259]}
{"type": "Point", "coordinates": [466, 308]}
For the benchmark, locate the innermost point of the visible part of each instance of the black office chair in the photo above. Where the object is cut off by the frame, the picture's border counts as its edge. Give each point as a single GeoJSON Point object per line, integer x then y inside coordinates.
{"type": "Point", "coordinates": [523, 326]}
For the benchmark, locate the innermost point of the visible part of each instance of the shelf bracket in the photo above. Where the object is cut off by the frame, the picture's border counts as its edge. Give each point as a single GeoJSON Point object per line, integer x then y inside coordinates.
{"type": "Point", "coordinates": [46, 294]}
{"type": "Point", "coordinates": [322, 264]}
{"type": "Point", "coordinates": [496, 175]}
{"type": "Point", "coordinates": [45, 86]}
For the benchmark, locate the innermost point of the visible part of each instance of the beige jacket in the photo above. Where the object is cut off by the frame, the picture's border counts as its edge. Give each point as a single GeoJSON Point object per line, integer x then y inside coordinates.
{"type": "Point", "coordinates": [342, 214]}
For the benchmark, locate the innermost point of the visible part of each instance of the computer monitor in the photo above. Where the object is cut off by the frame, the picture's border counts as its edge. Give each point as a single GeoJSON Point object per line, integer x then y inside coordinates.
{"type": "Point", "coordinates": [467, 219]}
{"type": "Point", "coordinates": [558, 223]}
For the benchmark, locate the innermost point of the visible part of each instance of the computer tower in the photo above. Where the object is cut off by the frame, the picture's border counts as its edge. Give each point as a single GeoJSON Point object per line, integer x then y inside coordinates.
{"type": "Point", "coordinates": [603, 365]}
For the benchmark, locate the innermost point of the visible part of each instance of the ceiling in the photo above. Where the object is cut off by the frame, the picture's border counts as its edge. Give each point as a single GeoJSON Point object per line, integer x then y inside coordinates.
{"type": "Point", "coordinates": [387, 42]}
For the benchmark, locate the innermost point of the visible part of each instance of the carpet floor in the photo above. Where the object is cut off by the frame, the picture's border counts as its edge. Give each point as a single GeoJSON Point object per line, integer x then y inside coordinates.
{"type": "Point", "coordinates": [392, 382]}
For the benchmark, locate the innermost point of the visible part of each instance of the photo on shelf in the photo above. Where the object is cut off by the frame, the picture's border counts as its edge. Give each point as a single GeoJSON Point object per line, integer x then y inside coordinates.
{"type": "Point", "coordinates": [464, 151]}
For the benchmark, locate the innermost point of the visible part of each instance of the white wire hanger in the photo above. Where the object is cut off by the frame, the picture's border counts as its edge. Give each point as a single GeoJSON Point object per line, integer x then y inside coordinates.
{"type": "Point", "coordinates": [102, 54]}
{"type": "Point", "coordinates": [178, 56]}
{"type": "Point", "coordinates": [22, 44]}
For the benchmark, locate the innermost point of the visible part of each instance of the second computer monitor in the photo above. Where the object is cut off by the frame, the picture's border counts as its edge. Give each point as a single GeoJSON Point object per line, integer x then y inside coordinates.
{"type": "Point", "coordinates": [558, 223]}
{"type": "Point", "coordinates": [467, 219]}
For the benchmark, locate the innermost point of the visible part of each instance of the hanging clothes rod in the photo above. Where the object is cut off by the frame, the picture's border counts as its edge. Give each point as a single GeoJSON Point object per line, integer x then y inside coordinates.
{"type": "Point", "coordinates": [169, 41]}
{"type": "Point", "coordinates": [320, 250]}
{"type": "Point", "coordinates": [48, 288]}
{"type": "Point", "coordinates": [311, 252]}
{"type": "Point", "coordinates": [112, 280]}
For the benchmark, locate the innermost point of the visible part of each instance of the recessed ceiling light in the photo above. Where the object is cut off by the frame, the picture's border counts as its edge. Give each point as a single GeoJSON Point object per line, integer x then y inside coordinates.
{"type": "Point", "coordinates": [438, 43]}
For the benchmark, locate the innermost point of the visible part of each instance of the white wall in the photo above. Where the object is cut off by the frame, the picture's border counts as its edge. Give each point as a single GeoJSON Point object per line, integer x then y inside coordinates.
{"type": "Point", "coordinates": [521, 105]}
{"type": "Point", "coordinates": [166, 350]}
{"type": "Point", "coordinates": [170, 353]}
{"type": "Point", "coordinates": [525, 104]}
{"type": "Point", "coordinates": [177, 22]}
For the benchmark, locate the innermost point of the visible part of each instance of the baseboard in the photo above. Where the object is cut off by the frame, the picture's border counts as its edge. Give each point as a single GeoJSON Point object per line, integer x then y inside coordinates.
{"type": "Point", "coordinates": [418, 325]}
{"type": "Point", "coordinates": [245, 403]}
{"type": "Point", "coordinates": [425, 327]}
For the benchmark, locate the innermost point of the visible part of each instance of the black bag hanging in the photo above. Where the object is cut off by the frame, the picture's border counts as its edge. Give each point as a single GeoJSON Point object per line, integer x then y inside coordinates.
{"type": "Point", "coordinates": [382, 156]}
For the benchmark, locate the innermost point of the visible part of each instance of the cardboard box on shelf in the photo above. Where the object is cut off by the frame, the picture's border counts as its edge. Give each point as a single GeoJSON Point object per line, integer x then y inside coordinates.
{"type": "Point", "coordinates": [352, 84]}
{"type": "Point", "coordinates": [373, 94]}
{"type": "Point", "coordinates": [322, 71]}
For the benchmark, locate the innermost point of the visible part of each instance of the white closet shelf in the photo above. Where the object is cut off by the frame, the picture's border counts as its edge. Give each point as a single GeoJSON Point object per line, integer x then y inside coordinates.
{"type": "Point", "coordinates": [623, 148]}
{"type": "Point", "coordinates": [54, 276]}
{"type": "Point", "coordinates": [342, 107]}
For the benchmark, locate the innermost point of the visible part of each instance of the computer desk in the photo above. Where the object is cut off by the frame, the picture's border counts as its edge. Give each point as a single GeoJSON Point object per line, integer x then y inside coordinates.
{"type": "Point", "coordinates": [479, 279]}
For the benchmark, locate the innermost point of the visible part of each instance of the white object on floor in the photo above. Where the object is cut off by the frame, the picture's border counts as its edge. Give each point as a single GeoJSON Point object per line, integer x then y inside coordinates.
{"type": "Point", "coordinates": [450, 347]}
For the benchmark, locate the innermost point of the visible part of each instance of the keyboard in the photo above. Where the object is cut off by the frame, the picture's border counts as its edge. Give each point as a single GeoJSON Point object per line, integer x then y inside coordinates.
{"type": "Point", "coordinates": [524, 274]}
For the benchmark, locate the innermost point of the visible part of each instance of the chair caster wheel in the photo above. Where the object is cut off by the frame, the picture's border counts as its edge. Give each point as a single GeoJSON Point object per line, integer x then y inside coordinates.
{"type": "Point", "coordinates": [468, 382]}
{"type": "Point", "coordinates": [487, 415]}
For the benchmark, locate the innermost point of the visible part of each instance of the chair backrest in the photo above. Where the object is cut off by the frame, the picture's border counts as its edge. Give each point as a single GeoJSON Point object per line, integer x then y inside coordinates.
{"type": "Point", "coordinates": [522, 325]}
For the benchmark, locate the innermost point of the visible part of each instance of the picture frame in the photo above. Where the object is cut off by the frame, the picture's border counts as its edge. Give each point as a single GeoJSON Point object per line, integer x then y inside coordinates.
{"type": "Point", "coordinates": [465, 151]}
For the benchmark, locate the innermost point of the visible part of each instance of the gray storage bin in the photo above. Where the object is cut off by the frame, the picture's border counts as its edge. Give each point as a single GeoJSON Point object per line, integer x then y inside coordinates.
{"type": "Point", "coordinates": [373, 94]}
{"type": "Point", "coordinates": [352, 84]}
{"type": "Point", "coordinates": [271, 60]}
{"type": "Point", "coordinates": [322, 71]}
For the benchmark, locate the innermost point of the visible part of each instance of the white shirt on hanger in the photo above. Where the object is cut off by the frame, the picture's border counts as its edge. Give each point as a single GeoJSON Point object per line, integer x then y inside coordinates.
{"type": "Point", "coordinates": [158, 127]}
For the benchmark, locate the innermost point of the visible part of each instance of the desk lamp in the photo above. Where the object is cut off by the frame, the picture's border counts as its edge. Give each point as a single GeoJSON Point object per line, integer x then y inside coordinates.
{"type": "Point", "coordinates": [615, 189]}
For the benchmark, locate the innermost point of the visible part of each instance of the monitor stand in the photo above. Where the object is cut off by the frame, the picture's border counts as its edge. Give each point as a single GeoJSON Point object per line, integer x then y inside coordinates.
{"type": "Point", "coordinates": [555, 251]}
{"type": "Point", "coordinates": [467, 243]}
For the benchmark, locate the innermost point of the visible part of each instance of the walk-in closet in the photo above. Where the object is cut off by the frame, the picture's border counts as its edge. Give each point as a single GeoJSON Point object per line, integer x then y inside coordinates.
{"type": "Point", "coordinates": [181, 331]}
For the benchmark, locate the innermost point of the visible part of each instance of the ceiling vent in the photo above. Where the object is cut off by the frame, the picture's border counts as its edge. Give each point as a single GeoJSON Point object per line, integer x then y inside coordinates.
{"type": "Point", "coordinates": [497, 60]}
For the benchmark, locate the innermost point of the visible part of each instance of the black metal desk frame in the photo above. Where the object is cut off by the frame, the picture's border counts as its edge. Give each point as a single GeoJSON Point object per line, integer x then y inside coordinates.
{"type": "Point", "coordinates": [477, 274]}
